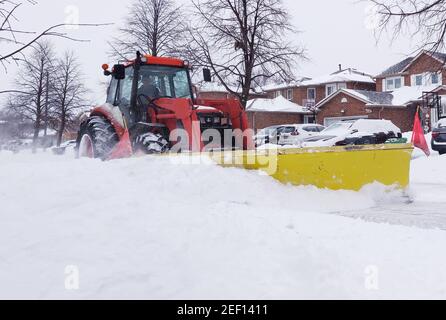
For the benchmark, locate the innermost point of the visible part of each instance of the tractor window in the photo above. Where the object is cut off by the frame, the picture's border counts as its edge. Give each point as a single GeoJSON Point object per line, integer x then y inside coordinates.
{"type": "Point", "coordinates": [125, 89]}
{"type": "Point", "coordinates": [162, 81]}
{"type": "Point", "coordinates": [111, 93]}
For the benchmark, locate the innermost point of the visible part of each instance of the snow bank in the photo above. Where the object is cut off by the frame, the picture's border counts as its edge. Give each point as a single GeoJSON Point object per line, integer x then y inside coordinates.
{"type": "Point", "coordinates": [418, 153]}
{"type": "Point", "coordinates": [146, 228]}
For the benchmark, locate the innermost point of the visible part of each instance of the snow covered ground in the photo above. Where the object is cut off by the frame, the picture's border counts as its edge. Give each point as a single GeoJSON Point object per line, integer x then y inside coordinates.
{"type": "Point", "coordinates": [148, 228]}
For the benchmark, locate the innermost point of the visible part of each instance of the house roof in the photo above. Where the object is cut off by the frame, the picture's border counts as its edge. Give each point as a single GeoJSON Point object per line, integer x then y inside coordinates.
{"type": "Point", "coordinates": [283, 85]}
{"type": "Point", "coordinates": [396, 68]}
{"type": "Point", "coordinates": [345, 75]}
{"type": "Point", "coordinates": [402, 66]}
{"type": "Point", "coordinates": [397, 98]}
{"type": "Point", "coordinates": [279, 104]}
{"type": "Point", "coordinates": [373, 97]}
{"type": "Point", "coordinates": [218, 87]}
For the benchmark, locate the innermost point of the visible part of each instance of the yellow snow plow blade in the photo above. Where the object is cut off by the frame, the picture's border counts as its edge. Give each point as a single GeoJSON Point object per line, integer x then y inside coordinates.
{"type": "Point", "coordinates": [336, 168]}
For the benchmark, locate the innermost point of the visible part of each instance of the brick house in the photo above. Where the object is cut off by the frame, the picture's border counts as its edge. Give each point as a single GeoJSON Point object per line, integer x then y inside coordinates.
{"type": "Point", "coordinates": [400, 91]}
{"type": "Point", "coordinates": [311, 91]}
{"type": "Point", "coordinates": [264, 113]}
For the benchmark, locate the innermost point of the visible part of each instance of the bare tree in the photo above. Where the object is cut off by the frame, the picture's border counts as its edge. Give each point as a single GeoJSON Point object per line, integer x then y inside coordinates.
{"type": "Point", "coordinates": [14, 40]}
{"type": "Point", "coordinates": [32, 79]}
{"type": "Point", "coordinates": [68, 92]}
{"type": "Point", "coordinates": [153, 27]}
{"type": "Point", "coordinates": [243, 42]}
{"type": "Point", "coordinates": [419, 18]}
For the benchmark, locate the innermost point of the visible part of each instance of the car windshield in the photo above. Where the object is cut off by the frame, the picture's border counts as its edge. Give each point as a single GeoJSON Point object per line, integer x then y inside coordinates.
{"type": "Point", "coordinates": [163, 81]}
{"type": "Point", "coordinates": [442, 123]}
{"type": "Point", "coordinates": [267, 131]}
{"type": "Point", "coordinates": [319, 138]}
{"type": "Point", "coordinates": [338, 127]}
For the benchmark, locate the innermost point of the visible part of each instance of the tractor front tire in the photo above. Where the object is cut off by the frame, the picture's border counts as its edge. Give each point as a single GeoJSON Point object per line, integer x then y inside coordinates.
{"type": "Point", "coordinates": [96, 139]}
{"type": "Point", "coordinates": [151, 143]}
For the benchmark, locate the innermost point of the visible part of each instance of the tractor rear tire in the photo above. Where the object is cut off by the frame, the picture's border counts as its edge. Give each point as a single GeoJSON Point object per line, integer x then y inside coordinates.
{"type": "Point", "coordinates": [96, 139]}
{"type": "Point", "coordinates": [151, 143]}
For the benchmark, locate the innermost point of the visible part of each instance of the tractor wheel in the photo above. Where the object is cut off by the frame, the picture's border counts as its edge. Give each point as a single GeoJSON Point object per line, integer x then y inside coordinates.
{"type": "Point", "coordinates": [96, 139]}
{"type": "Point", "coordinates": [151, 143]}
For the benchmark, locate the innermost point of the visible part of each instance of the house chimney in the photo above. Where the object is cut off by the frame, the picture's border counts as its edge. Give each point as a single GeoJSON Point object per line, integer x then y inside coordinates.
{"type": "Point", "coordinates": [340, 67]}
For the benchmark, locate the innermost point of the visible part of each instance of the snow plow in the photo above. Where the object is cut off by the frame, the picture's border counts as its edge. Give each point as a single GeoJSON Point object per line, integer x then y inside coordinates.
{"type": "Point", "coordinates": [152, 108]}
{"type": "Point", "coordinates": [335, 168]}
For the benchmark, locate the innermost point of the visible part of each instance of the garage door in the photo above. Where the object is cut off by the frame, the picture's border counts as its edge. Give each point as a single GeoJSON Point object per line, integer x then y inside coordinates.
{"type": "Point", "coordinates": [329, 121]}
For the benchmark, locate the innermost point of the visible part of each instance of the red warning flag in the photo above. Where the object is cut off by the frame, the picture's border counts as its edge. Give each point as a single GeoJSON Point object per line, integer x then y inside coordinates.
{"type": "Point", "coordinates": [418, 138]}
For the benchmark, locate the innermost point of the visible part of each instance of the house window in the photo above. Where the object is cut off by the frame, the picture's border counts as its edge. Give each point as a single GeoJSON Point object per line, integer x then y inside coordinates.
{"type": "Point", "coordinates": [333, 87]}
{"type": "Point", "coordinates": [289, 94]}
{"type": "Point", "coordinates": [419, 80]}
{"type": "Point", "coordinates": [435, 78]}
{"type": "Point", "coordinates": [277, 94]}
{"type": "Point", "coordinates": [311, 94]}
{"type": "Point", "coordinates": [309, 119]}
{"type": "Point", "coordinates": [393, 83]}
{"type": "Point", "coordinates": [330, 89]}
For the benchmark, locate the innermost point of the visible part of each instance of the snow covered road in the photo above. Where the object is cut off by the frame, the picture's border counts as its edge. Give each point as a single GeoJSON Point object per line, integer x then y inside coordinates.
{"type": "Point", "coordinates": [426, 203]}
{"type": "Point", "coordinates": [147, 228]}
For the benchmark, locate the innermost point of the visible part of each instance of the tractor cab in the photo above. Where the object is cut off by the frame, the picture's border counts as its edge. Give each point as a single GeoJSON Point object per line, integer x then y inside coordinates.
{"type": "Point", "coordinates": [140, 87]}
{"type": "Point", "coordinates": [151, 108]}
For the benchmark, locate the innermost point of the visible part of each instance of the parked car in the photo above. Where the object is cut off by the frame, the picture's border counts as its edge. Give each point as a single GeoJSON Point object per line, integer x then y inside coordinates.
{"type": "Point", "coordinates": [268, 135]}
{"type": "Point", "coordinates": [439, 137]}
{"type": "Point", "coordinates": [355, 132]}
{"type": "Point", "coordinates": [295, 134]}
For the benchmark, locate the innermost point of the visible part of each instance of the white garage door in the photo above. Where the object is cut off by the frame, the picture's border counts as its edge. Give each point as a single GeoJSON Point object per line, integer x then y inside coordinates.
{"type": "Point", "coordinates": [330, 121]}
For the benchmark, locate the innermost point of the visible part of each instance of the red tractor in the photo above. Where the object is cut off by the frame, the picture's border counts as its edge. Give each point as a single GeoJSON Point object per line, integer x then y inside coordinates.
{"type": "Point", "coordinates": [151, 108]}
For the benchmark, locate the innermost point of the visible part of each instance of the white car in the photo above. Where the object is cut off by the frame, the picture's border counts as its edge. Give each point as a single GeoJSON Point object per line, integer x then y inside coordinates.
{"type": "Point", "coordinates": [295, 134]}
{"type": "Point", "coordinates": [355, 132]}
{"type": "Point", "coordinates": [267, 136]}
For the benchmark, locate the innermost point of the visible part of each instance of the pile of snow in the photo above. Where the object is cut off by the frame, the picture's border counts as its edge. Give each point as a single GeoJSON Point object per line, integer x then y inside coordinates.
{"type": "Point", "coordinates": [279, 104]}
{"type": "Point", "coordinates": [150, 228]}
{"type": "Point", "coordinates": [375, 126]}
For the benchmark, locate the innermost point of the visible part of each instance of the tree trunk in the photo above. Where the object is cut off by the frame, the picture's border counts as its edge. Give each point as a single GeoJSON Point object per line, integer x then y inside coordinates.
{"type": "Point", "coordinates": [46, 104]}
{"type": "Point", "coordinates": [38, 107]}
{"type": "Point", "coordinates": [36, 133]}
{"type": "Point", "coordinates": [61, 131]}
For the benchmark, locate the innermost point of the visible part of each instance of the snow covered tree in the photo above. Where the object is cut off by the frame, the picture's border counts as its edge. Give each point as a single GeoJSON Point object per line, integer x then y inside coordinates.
{"type": "Point", "coordinates": [422, 18]}
{"type": "Point", "coordinates": [68, 92]}
{"type": "Point", "coordinates": [32, 100]}
{"type": "Point", "coordinates": [243, 43]}
{"type": "Point", "coordinates": [152, 26]}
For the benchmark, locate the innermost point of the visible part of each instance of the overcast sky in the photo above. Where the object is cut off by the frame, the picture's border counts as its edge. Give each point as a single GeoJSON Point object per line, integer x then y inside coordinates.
{"type": "Point", "coordinates": [333, 31]}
